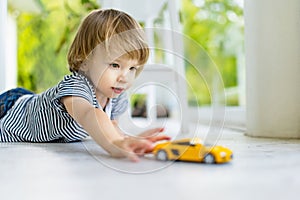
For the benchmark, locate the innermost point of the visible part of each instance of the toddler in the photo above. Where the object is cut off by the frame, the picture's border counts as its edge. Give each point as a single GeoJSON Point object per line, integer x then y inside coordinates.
{"type": "Point", "coordinates": [107, 54]}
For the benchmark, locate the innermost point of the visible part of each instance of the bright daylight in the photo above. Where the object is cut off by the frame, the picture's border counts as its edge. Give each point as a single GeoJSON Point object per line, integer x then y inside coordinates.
{"type": "Point", "coordinates": [153, 99]}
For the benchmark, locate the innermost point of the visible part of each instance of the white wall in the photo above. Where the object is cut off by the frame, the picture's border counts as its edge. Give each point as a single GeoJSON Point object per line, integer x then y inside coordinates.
{"type": "Point", "coordinates": [3, 27]}
{"type": "Point", "coordinates": [8, 50]}
{"type": "Point", "coordinates": [272, 30]}
{"type": "Point", "coordinates": [11, 54]}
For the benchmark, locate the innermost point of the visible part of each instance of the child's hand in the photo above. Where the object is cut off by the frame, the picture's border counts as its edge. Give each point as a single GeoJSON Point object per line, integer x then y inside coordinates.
{"type": "Point", "coordinates": [131, 148]}
{"type": "Point", "coordinates": [154, 135]}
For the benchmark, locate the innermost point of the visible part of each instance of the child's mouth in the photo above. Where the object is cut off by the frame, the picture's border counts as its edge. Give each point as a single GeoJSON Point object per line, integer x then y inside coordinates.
{"type": "Point", "coordinates": [117, 90]}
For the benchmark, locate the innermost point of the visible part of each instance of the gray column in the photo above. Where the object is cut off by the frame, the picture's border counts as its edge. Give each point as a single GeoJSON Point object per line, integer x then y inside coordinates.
{"type": "Point", "coordinates": [272, 40]}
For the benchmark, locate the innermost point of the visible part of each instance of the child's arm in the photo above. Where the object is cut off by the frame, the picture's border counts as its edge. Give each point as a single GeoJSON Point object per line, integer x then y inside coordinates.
{"type": "Point", "coordinates": [102, 130]}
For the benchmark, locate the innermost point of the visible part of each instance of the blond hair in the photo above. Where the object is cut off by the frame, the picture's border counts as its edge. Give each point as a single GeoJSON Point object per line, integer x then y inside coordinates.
{"type": "Point", "coordinates": [114, 29]}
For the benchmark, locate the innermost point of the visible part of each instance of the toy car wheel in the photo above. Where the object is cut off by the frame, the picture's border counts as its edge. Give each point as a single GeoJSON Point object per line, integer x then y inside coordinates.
{"type": "Point", "coordinates": [209, 159]}
{"type": "Point", "coordinates": [162, 155]}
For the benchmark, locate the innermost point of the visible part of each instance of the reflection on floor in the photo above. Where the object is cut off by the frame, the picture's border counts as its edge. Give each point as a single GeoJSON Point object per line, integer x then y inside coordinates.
{"type": "Point", "coordinates": [261, 169]}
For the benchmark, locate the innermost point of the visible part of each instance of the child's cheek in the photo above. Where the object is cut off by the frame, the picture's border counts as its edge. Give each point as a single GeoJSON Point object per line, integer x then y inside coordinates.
{"type": "Point", "coordinates": [130, 77]}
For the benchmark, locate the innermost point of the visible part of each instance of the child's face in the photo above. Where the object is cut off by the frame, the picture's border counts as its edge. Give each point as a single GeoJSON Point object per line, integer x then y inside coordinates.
{"type": "Point", "coordinates": [110, 76]}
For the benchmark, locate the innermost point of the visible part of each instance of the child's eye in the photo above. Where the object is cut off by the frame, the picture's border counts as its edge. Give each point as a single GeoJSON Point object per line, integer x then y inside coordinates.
{"type": "Point", "coordinates": [114, 65]}
{"type": "Point", "coordinates": [132, 68]}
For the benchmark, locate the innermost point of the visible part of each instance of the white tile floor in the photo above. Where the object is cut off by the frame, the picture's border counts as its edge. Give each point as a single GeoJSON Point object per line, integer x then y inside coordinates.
{"type": "Point", "coordinates": [262, 169]}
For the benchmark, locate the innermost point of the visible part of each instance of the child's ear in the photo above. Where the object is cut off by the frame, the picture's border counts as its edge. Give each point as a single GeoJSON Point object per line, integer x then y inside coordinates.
{"type": "Point", "coordinates": [84, 66]}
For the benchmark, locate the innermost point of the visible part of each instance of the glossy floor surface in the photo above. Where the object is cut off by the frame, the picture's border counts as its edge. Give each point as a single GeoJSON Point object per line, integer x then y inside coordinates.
{"type": "Point", "coordinates": [261, 169]}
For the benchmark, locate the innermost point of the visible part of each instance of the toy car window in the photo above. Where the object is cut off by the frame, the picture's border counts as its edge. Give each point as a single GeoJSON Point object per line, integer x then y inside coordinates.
{"type": "Point", "coordinates": [183, 143]}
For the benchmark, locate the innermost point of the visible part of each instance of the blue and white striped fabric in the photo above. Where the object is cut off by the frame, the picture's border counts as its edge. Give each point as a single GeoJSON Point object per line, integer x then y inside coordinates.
{"type": "Point", "coordinates": [43, 118]}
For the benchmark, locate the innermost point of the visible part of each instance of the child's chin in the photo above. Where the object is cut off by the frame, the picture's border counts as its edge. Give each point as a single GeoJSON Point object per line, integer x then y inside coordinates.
{"type": "Point", "coordinates": [114, 95]}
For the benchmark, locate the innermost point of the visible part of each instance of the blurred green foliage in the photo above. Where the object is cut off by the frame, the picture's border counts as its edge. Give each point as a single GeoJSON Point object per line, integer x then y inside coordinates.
{"type": "Point", "coordinates": [43, 40]}
{"type": "Point", "coordinates": [217, 25]}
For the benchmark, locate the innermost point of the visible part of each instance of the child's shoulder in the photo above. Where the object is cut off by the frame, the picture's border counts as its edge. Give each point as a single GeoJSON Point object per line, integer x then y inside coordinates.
{"type": "Point", "coordinates": [74, 79]}
{"type": "Point", "coordinates": [75, 76]}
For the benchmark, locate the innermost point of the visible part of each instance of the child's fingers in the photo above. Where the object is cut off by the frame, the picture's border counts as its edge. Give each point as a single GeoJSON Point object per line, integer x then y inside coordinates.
{"type": "Point", "coordinates": [151, 132]}
{"type": "Point", "coordinates": [133, 157]}
{"type": "Point", "coordinates": [158, 138]}
{"type": "Point", "coordinates": [130, 154]}
{"type": "Point", "coordinates": [135, 148]}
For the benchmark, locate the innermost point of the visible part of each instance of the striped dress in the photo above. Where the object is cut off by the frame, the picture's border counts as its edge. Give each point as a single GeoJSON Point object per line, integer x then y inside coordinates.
{"type": "Point", "coordinates": [43, 118]}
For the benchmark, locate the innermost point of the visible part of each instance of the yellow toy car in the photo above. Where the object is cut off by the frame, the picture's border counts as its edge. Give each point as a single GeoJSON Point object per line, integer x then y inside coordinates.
{"type": "Point", "coordinates": [191, 150]}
